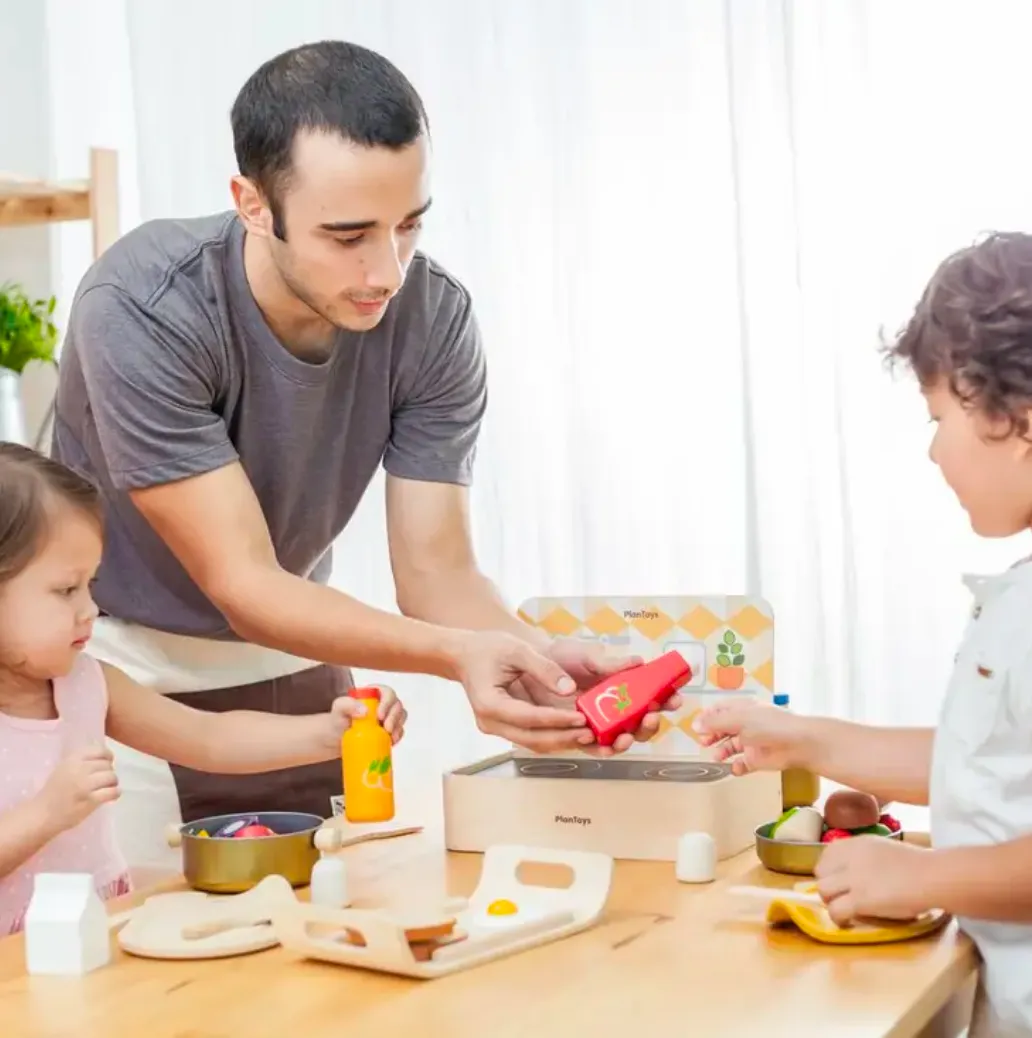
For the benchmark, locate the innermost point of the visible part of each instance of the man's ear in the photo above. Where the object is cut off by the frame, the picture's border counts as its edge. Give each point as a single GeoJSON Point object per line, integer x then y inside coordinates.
{"type": "Point", "coordinates": [252, 207]}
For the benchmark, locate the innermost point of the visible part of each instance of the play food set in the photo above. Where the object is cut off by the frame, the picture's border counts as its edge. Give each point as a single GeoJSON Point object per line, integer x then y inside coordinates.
{"type": "Point", "coordinates": [804, 909]}
{"type": "Point", "coordinates": [618, 704]}
{"type": "Point", "coordinates": [505, 914]}
{"type": "Point", "coordinates": [793, 843]}
{"type": "Point", "coordinates": [228, 854]}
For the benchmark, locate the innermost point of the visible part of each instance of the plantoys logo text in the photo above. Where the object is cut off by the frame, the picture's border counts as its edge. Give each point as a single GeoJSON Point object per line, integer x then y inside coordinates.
{"type": "Point", "coordinates": [572, 820]}
{"type": "Point", "coordinates": [640, 614]}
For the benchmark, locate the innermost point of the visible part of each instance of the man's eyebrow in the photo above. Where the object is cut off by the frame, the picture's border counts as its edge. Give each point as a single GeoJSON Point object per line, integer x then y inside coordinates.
{"type": "Point", "coordinates": [339, 226]}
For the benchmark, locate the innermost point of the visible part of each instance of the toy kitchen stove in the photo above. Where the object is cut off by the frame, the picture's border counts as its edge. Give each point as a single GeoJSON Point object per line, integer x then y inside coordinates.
{"type": "Point", "coordinates": [639, 804]}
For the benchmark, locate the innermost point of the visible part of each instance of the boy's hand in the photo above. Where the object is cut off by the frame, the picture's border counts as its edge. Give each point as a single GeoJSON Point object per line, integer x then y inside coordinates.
{"type": "Point", "coordinates": [80, 783]}
{"type": "Point", "coordinates": [873, 876]}
{"type": "Point", "coordinates": [761, 737]}
{"type": "Point", "coordinates": [344, 709]}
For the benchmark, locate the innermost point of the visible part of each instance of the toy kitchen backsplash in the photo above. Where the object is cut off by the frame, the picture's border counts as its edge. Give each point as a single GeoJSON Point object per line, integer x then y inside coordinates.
{"type": "Point", "coordinates": [728, 640]}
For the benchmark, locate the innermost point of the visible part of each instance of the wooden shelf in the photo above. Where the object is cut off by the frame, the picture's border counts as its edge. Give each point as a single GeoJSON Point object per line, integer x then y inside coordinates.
{"type": "Point", "coordinates": [24, 201]}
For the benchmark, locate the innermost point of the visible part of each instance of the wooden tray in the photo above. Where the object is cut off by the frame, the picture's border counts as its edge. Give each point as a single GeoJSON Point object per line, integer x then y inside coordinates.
{"type": "Point", "coordinates": [436, 947]}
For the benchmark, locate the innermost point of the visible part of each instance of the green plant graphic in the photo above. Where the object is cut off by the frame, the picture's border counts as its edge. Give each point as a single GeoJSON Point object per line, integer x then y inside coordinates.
{"type": "Point", "coordinates": [375, 773]}
{"type": "Point", "coordinates": [729, 651]}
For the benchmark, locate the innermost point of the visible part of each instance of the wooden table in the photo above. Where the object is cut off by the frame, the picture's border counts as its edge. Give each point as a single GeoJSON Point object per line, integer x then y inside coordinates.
{"type": "Point", "coordinates": [666, 959]}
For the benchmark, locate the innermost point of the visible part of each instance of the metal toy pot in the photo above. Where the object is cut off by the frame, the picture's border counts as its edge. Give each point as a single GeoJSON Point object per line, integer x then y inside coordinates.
{"type": "Point", "coordinates": [789, 856]}
{"type": "Point", "coordinates": [231, 865]}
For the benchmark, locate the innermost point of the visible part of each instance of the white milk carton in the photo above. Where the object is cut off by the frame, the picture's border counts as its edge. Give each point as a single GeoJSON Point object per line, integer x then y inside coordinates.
{"type": "Point", "coordinates": [66, 925]}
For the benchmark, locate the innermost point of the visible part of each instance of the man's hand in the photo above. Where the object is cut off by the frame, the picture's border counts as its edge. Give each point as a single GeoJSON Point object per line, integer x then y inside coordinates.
{"type": "Point", "coordinates": [527, 697]}
{"type": "Point", "coordinates": [873, 876]}
{"type": "Point", "coordinates": [344, 709]}
{"type": "Point", "coordinates": [587, 665]}
{"type": "Point", "coordinates": [495, 670]}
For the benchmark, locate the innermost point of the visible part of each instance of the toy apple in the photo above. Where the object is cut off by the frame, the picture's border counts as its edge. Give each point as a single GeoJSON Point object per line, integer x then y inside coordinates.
{"type": "Point", "coordinates": [251, 831]}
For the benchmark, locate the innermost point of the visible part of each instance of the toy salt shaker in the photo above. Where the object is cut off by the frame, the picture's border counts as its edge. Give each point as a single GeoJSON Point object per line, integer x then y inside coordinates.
{"type": "Point", "coordinates": [696, 858]}
{"type": "Point", "coordinates": [329, 884]}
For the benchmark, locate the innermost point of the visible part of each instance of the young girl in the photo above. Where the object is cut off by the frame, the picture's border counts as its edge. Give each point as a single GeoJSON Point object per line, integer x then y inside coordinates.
{"type": "Point", "coordinates": [57, 705]}
{"type": "Point", "coordinates": [970, 344]}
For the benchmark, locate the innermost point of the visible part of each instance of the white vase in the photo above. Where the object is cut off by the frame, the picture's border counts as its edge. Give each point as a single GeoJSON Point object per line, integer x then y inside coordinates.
{"type": "Point", "coordinates": [12, 413]}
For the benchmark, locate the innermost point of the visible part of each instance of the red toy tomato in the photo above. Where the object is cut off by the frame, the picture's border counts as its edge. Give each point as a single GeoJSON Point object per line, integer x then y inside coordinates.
{"type": "Point", "coordinates": [618, 703]}
{"type": "Point", "coordinates": [890, 823]}
{"type": "Point", "coordinates": [835, 834]}
{"type": "Point", "coordinates": [251, 831]}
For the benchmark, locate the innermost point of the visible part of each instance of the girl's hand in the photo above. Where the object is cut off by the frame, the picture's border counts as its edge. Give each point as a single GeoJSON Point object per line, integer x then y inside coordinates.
{"type": "Point", "coordinates": [81, 782]}
{"type": "Point", "coordinates": [344, 709]}
{"type": "Point", "coordinates": [873, 876]}
{"type": "Point", "coordinates": [754, 736]}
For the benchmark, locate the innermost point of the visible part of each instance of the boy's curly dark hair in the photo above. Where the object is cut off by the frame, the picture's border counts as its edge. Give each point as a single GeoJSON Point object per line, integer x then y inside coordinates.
{"type": "Point", "coordinates": [973, 328]}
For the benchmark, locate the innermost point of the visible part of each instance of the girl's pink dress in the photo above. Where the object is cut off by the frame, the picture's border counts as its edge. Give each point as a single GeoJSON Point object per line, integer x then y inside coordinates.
{"type": "Point", "coordinates": [29, 752]}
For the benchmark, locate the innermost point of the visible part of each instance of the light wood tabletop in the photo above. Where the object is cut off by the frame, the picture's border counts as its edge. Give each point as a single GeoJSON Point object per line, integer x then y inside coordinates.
{"type": "Point", "coordinates": [667, 958]}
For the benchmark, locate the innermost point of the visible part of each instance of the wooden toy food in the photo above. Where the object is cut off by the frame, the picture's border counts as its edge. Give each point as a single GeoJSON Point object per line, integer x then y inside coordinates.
{"type": "Point", "coordinates": [366, 760]}
{"type": "Point", "coordinates": [250, 832]}
{"type": "Point", "coordinates": [851, 809]}
{"type": "Point", "coordinates": [618, 704]}
{"type": "Point", "coordinates": [799, 824]}
{"type": "Point", "coordinates": [799, 787]}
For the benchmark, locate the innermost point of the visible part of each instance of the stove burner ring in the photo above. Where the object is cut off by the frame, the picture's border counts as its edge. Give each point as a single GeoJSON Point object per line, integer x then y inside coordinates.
{"type": "Point", "coordinates": [686, 772]}
{"type": "Point", "coordinates": [554, 768]}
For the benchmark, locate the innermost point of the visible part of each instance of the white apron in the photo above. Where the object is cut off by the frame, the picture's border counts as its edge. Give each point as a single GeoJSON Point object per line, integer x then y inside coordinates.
{"type": "Point", "coordinates": [169, 663]}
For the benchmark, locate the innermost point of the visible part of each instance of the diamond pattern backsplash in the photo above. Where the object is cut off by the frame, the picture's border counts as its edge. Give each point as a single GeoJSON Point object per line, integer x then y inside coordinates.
{"type": "Point", "coordinates": [728, 640]}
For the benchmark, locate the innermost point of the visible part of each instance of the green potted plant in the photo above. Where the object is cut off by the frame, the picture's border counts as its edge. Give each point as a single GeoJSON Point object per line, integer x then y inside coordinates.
{"type": "Point", "coordinates": [27, 333]}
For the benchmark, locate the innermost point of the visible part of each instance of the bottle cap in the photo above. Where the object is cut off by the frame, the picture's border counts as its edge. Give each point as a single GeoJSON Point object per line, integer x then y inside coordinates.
{"type": "Point", "coordinates": [364, 693]}
{"type": "Point", "coordinates": [781, 699]}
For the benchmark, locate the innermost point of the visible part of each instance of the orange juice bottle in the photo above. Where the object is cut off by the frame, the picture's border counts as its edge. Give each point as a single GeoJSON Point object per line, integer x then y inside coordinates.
{"type": "Point", "coordinates": [365, 749]}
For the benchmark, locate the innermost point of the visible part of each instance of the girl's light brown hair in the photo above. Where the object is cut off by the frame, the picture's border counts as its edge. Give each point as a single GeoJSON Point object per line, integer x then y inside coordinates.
{"type": "Point", "coordinates": [30, 485]}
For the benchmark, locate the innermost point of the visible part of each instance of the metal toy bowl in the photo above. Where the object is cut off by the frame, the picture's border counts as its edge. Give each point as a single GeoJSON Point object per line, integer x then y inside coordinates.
{"type": "Point", "coordinates": [231, 865]}
{"type": "Point", "coordinates": [796, 859]}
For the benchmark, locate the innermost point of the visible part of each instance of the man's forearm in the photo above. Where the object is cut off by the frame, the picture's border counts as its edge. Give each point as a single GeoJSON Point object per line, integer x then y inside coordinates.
{"type": "Point", "coordinates": [889, 763]}
{"type": "Point", "coordinates": [467, 599]}
{"type": "Point", "coordinates": [992, 883]}
{"type": "Point", "coordinates": [270, 607]}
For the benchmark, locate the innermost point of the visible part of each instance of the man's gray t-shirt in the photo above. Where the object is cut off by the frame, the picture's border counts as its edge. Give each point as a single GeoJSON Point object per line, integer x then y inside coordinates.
{"type": "Point", "coordinates": [169, 370]}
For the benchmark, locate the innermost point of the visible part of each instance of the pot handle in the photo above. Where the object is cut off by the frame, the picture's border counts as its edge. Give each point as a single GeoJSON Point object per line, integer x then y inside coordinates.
{"type": "Point", "coordinates": [328, 838]}
{"type": "Point", "coordinates": [174, 835]}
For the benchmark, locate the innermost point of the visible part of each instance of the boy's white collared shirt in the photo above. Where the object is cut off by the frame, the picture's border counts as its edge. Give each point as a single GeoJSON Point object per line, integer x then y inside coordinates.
{"type": "Point", "coordinates": [981, 780]}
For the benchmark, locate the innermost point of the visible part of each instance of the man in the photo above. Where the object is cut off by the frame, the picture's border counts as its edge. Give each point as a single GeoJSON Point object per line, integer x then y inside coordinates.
{"type": "Point", "coordinates": [232, 383]}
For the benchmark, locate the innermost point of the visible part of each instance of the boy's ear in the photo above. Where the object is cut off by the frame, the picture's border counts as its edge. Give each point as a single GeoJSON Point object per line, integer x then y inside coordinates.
{"type": "Point", "coordinates": [1023, 440]}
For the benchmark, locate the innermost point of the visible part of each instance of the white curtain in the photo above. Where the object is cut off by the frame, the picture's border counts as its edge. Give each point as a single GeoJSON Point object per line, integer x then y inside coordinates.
{"type": "Point", "coordinates": [685, 226]}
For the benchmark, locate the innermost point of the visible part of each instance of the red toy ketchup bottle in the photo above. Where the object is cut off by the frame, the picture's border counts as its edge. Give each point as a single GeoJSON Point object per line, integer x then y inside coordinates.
{"type": "Point", "coordinates": [617, 704]}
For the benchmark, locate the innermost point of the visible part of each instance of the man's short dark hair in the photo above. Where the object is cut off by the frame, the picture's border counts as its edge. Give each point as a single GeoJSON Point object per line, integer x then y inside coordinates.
{"type": "Point", "coordinates": [972, 329]}
{"type": "Point", "coordinates": [329, 87]}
